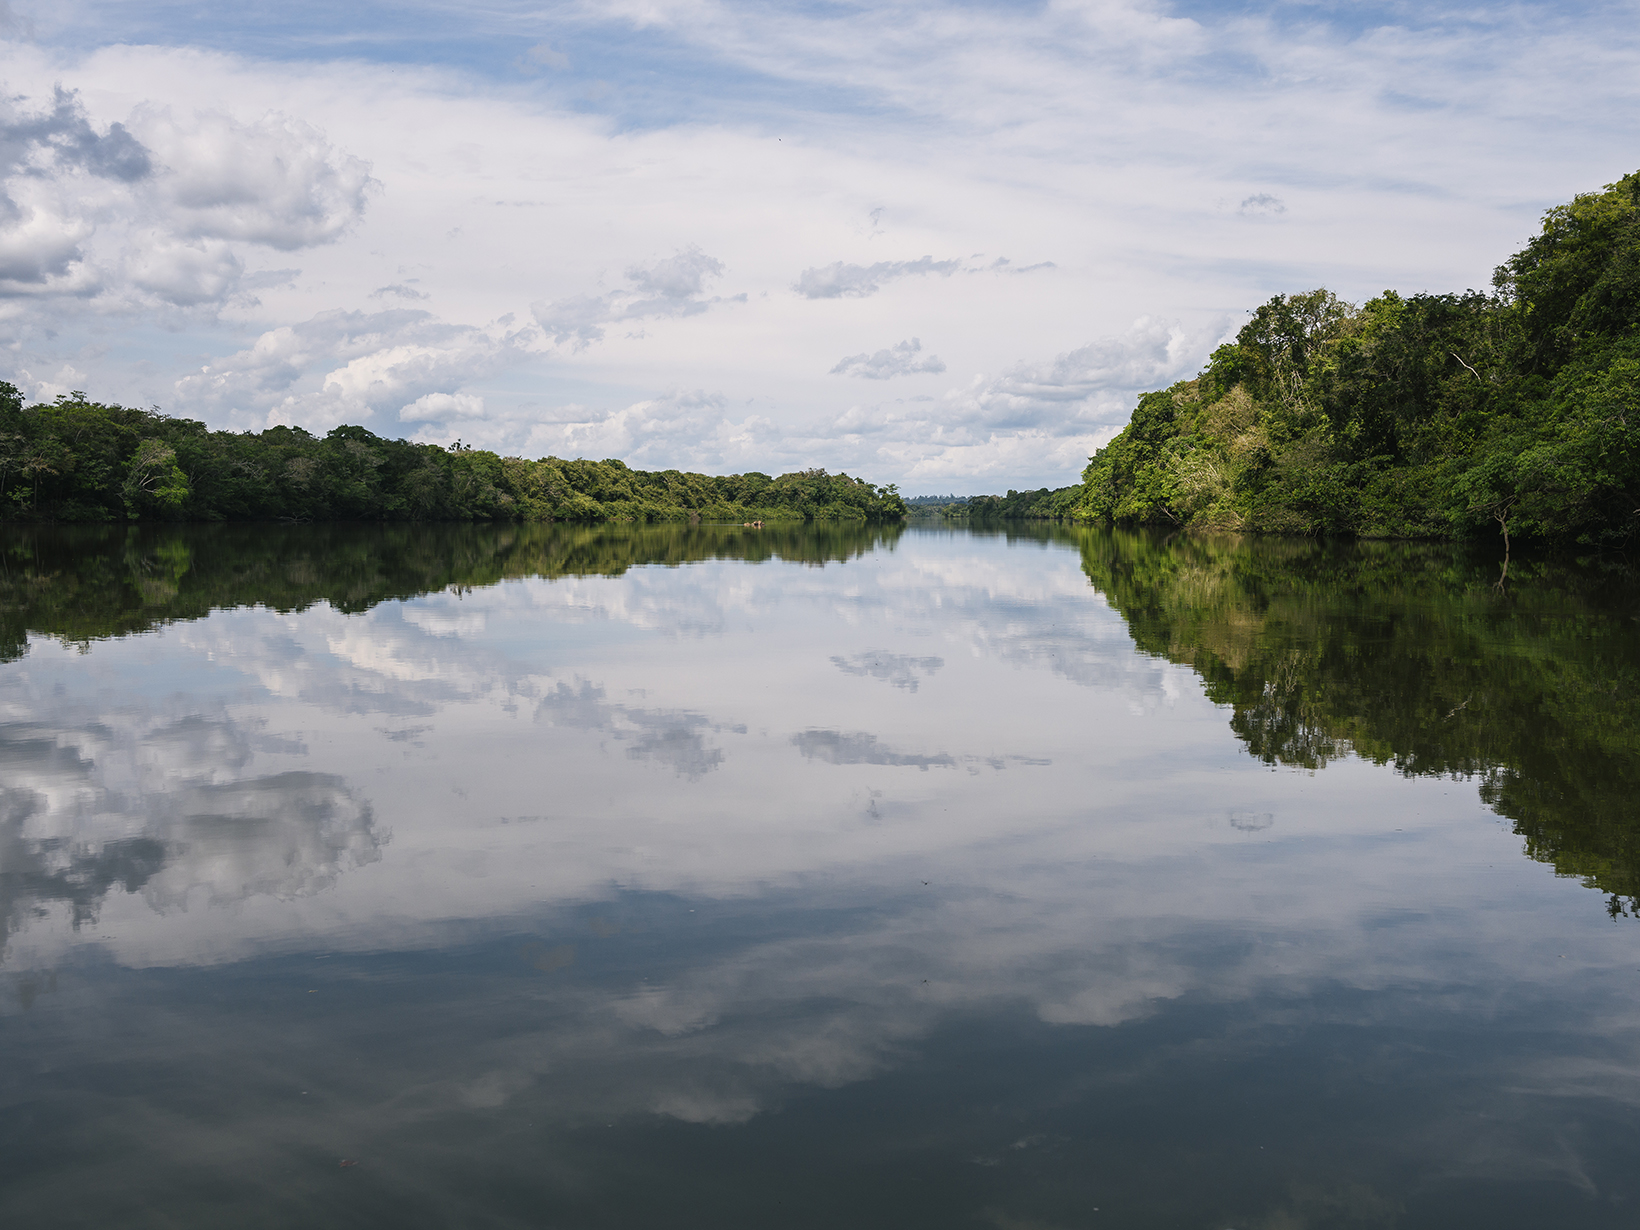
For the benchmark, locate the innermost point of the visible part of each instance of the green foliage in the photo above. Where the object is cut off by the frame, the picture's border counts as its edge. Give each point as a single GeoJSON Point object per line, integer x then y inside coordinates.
{"type": "Point", "coordinates": [91, 582]}
{"type": "Point", "coordinates": [1424, 416]}
{"type": "Point", "coordinates": [1043, 504]}
{"type": "Point", "coordinates": [1580, 277]}
{"type": "Point", "coordinates": [153, 481]}
{"type": "Point", "coordinates": [78, 460]}
{"type": "Point", "coordinates": [1412, 655]}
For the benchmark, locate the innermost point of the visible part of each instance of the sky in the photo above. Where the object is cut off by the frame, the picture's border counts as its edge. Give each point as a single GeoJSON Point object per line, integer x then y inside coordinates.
{"type": "Point", "coordinates": [943, 245]}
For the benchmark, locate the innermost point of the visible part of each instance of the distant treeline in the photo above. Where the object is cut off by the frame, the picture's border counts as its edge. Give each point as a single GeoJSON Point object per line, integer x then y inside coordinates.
{"type": "Point", "coordinates": [76, 460]}
{"type": "Point", "coordinates": [1044, 504]}
{"type": "Point", "coordinates": [1515, 413]}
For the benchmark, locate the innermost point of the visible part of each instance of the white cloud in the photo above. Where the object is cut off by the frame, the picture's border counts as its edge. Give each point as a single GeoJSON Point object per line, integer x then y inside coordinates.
{"type": "Point", "coordinates": [903, 359]}
{"type": "Point", "coordinates": [685, 429]}
{"type": "Point", "coordinates": [841, 281]}
{"type": "Point", "coordinates": [672, 287]}
{"type": "Point", "coordinates": [348, 367]}
{"type": "Point", "coordinates": [41, 247]}
{"type": "Point", "coordinates": [183, 271]}
{"type": "Point", "coordinates": [62, 138]}
{"type": "Point", "coordinates": [275, 181]}
{"type": "Point", "coordinates": [65, 379]}
{"type": "Point", "coordinates": [1057, 410]}
{"type": "Point", "coordinates": [50, 158]}
{"type": "Point", "coordinates": [143, 211]}
{"type": "Point", "coordinates": [442, 408]}
{"type": "Point", "coordinates": [1151, 354]}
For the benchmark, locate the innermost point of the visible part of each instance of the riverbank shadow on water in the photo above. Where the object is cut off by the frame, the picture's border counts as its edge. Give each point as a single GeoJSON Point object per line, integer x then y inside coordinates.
{"type": "Point", "coordinates": [1414, 655]}
{"type": "Point", "coordinates": [86, 583]}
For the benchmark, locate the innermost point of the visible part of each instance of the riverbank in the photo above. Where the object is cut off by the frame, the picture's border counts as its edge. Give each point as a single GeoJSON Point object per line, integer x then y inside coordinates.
{"type": "Point", "coordinates": [1514, 413]}
{"type": "Point", "coordinates": [74, 460]}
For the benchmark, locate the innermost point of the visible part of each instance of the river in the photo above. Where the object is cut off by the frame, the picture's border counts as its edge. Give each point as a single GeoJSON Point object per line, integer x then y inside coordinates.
{"type": "Point", "coordinates": [539, 876]}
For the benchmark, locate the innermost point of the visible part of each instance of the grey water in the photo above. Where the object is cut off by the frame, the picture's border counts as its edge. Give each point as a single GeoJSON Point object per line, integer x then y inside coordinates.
{"type": "Point", "coordinates": [564, 877]}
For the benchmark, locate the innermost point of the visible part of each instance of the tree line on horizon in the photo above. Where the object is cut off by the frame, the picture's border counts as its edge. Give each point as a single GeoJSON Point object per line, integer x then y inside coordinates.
{"type": "Point", "coordinates": [76, 460]}
{"type": "Point", "coordinates": [1424, 416]}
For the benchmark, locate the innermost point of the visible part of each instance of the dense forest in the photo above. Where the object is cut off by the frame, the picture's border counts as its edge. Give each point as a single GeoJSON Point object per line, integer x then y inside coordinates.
{"type": "Point", "coordinates": [76, 460]}
{"type": "Point", "coordinates": [1516, 412]}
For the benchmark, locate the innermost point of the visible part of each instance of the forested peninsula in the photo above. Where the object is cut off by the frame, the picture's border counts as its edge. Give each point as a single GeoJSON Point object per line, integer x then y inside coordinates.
{"type": "Point", "coordinates": [74, 460]}
{"type": "Point", "coordinates": [1514, 413]}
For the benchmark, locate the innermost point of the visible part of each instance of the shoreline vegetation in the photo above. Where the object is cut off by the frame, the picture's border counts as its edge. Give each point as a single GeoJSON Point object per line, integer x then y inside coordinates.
{"type": "Point", "coordinates": [77, 461]}
{"type": "Point", "coordinates": [1427, 416]}
{"type": "Point", "coordinates": [1514, 413]}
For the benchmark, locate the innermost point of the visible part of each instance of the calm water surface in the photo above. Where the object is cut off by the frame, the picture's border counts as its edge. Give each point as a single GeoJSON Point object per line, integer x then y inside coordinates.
{"type": "Point", "coordinates": [545, 877]}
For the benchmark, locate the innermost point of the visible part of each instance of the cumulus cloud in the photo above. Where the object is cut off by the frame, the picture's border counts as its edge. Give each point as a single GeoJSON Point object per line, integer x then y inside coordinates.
{"type": "Point", "coordinates": [1064, 396]}
{"type": "Point", "coordinates": [1045, 415]}
{"type": "Point", "coordinates": [1034, 417]}
{"type": "Point", "coordinates": [442, 407]}
{"type": "Point", "coordinates": [47, 208]}
{"type": "Point", "coordinates": [348, 366]}
{"type": "Point", "coordinates": [41, 250]}
{"type": "Point", "coordinates": [62, 137]}
{"type": "Point", "coordinates": [1048, 414]}
{"type": "Point", "coordinates": [183, 271]}
{"type": "Point", "coordinates": [904, 359]}
{"type": "Point", "coordinates": [841, 281]}
{"type": "Point", "coordinates": [685, 429]}
{"type": "Point", "coordinates": [276, 182]}
{"type": "Point", "coordinates": [1150, 354]}
{"type": "Point", "coordinates": [672, 287]}
{"type": "Point", "coordinates": [678, 279]}
{"type": "Point", "coordinates": [149, 211]}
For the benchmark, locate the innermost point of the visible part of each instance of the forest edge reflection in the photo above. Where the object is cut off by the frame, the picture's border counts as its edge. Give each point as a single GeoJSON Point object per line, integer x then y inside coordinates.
{"type": "Point", "coordinates": [1408, 655]}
